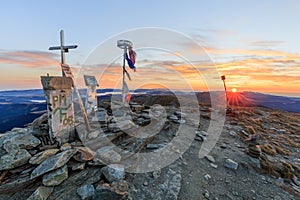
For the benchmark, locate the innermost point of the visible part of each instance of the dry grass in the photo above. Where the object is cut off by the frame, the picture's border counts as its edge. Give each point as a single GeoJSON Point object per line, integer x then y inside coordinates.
{"type": "Point", "coordinates": [268, 149]}
{"type": "Point", "coordinates": [251, 130]}
{"type": "Point", "coordinates": [281, 151]}
{"type": "Point", "coordinates": [289, 142]}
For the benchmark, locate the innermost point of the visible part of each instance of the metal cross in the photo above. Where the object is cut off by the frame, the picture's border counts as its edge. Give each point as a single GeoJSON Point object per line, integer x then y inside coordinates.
{"type": "Point", "coordinates": [63, 49]}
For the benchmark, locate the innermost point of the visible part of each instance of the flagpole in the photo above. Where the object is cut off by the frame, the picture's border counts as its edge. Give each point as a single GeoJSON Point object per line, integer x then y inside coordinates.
{"type": "Point", "coordinates": [124, 56]}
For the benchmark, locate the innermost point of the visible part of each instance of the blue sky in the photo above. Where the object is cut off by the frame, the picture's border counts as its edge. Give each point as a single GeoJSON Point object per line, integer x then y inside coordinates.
{"type": "Point", "coordinates": [227, 25]}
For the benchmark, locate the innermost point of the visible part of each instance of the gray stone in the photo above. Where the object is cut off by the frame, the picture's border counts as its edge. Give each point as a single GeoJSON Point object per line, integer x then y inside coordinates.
{"type": "Point", "coordinates": [145, 116]}
{"type": "Point", "coordinates": [101, 116]}
{"type": "Point", "coordinates": [113, 172]}
{"type": "Point", "coordinates": [207, 177]}
{"type": "Point", "coordinates": [11, 161]}
{"type": "Point", "coordinates": [56, 177]}
{"type": "Point", "coordinates": [78, 166]}
{"type": "Point", "coordinates": [125, 124]}
{"type": "Point", "coordinates": [210, 158]}
{"type": "Point", "coordinates": [173, 118]}
{"type": "Point", "coordinates": [65, 147]}
{"type": "Point", "coordinates": [107, 155]}
{"type": "Point", "coordinates": [24, 141]}
{"type": "Point", "coordinates": [113, 127]}
{"type": "Point", "coordinates": [280, 131]}
{"type": "Point", "coordinates": [201, 133]}
{"type": "Point", "coordinates": [295, 180]}
{"type": "Point", "coordinates": [10, 147]}
{"type": "Point", "coordinates": [117, 190]}
{"type": "Point", "coordinates": [156, 174]}
{"type": "Point", "coordinates": [152, 146]}
{"type": "Point", "coordinates": [41, 156]}
{"type": "Point", "coordinates": [180, 121]}
{"type": "Point", "coordinates": [213, 165]}
{"type": "Point", "coordinates": [53, 163]}
{"type": "Point", "coordinates": [41, 193]}
{"type": "Point", "coordinates": [232, 133]}
{"type": "Point", "coordinates": [231, 164]}
{"type": "Point", "coordinates": [206, 194]}
{"type": "Point", "coordinates": [86, 191]}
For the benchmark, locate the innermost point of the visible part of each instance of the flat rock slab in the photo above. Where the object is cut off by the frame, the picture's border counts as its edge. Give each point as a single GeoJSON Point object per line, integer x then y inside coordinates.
{"type": "Point", "coordinates": [53, 163]}
{"type": "Point", "coordinates": [11, 161]}
{"type": "Point", "coordinates": [56, 177]}
{"type": "Point", "coordinates": [41, 156]}
{"type": "Point", "coordinates": [41, 193]}
{"type": "Point", "coordinates": [24, 141]}
{"type": "Point", "coordinates": [88, 176]}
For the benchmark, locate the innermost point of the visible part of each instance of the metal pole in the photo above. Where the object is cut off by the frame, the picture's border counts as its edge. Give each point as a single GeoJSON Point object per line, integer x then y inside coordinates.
{"type": "Point", "coordinates": [62, 51]}
{"type": "Point", "coordinates": [225, 86]}
{"type": "Point", "coordinates": [124, 56]}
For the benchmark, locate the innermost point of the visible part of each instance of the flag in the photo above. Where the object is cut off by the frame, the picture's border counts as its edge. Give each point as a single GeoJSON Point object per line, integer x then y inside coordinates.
{"type": "Point", "coordinates": [125, 93]}
{"type": "Point", "coordinates": [132, 56]}
{"type": "Point", "coordinates": [129, 62]}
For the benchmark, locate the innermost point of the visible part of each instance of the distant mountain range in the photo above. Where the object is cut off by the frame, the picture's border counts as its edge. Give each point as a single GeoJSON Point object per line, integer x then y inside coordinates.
{"type": "Point", "coordinates": [20, 107]}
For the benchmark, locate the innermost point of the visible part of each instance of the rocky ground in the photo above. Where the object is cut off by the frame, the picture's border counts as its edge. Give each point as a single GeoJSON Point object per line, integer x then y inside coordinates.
{"type": "Point", "coordinates": [33, 168]}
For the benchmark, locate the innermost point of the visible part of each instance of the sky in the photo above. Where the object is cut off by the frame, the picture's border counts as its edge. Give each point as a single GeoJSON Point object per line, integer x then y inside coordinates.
{"type": "Point", "coordinates": [254, 43]}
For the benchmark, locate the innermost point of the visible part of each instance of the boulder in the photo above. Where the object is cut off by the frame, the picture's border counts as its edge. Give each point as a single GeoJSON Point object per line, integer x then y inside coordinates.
{"type": "Point", "coordinates": [53, 163]}
{"type": "Point", "coordinates": [86, 191]}
{"type": "Point", "coordinates": [56, 177]}
{"type": "Point", "coordinates": [113, 172]}
{"type": "Point", "coordinates": [41, 193]}
{"type": "Point", "coordinates": [8, 161]}
{"type": "Point", "coordinates": [41, 156]}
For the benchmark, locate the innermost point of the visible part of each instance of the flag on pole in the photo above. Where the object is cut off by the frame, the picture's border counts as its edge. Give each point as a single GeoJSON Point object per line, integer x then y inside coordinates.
{"type": "Point", "coordinates": [129, 62]}
{"type": "Point", "coordinates": [132, 55]}
{"type": "Point", "coordinates": [125, 93]}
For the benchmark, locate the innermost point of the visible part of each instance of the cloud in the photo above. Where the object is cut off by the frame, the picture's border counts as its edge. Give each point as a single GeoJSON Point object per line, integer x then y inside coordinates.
{"type": "Point", "coordinates": [31, 59]}
{"type": "Point", "coordinates": [265, 43]}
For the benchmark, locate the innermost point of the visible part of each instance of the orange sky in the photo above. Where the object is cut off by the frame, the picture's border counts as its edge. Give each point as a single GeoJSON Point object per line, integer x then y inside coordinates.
{"type": "Point", "coordinates": [246, 70]}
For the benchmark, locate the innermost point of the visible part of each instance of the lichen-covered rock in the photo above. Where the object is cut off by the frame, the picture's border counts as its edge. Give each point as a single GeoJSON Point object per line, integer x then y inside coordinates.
{"type": "Point", "coordinates": [53, 163]}
{"type": "Point", "coordinates": [41, 193]}
{"type": "Point", "coordinates": [56, 177]}
{"type": "Point", "coordinates": [10, 161]}
{"type": "Point", "coordinates": [86, 192]}
{"type": "Point", "coordinates": [113, 172]}
{"type": "Point", "coordinates": [24, 141]}
{"type": "Point", "coordinates": [41, 156]}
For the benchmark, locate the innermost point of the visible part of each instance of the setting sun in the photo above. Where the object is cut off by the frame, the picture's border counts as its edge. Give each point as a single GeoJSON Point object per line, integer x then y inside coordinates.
{"type": "Point", "coordinates": [233, 90]}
